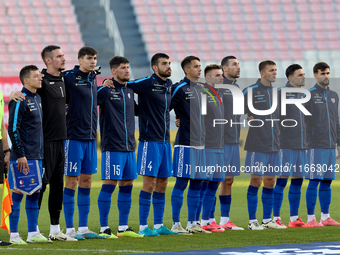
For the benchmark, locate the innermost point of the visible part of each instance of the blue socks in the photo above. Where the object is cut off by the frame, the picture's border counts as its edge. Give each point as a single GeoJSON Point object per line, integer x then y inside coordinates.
{"type": "Point", "coordinates": [68, 203]}
{"type": "Point", "coordinates": [104, 203]}
{"type": "Point", "coordinates": [278, 195]}
{"type": "Point", "coordinates": [209, 200]}
{"type": "Point", "coordinates": [32, 211]}
{"type": "Point", "coordinates": [252, 201]}
{"type": "Point", "coordinates": [311, 195]}
{"type": "Point", "coordinates": [225, 202]}
{"type": "Point", "coordinates": [325, 194]}
{"type": "Point", "coordinates": [83, 205]}
{"type": "Point", "coordinates": [294, 196]}
{"type": "Point", "coordinates": [177, 198]}
{"type": "Point", "coordinates": [202, 190]}
{"type": "Point", "coordinates": [144, 207]}
{"type": "Point", "coordinates": [158, 202]}
{"type": "Point", "coordinates": [193, 199]}
{"type": "Point", "coordinates": [14, 216]}
{"type": "Point", "coordinates": [267, 202]}
{"type": "Point", "coordinates": [212, 214]}
{"type": "Point", "coordinates": [124, 204]}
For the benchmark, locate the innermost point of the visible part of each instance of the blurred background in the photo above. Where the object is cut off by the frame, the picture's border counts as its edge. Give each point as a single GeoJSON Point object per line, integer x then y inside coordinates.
{"type": "Point", "coordinates": [286, 31]}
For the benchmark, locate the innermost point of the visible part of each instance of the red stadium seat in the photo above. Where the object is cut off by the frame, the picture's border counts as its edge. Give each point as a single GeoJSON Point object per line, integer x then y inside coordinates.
{"type": "Point", "coordinates": [297, 55]}
{"type": "Point", "coordinates": [334, 45]}
{"type": "Point", "coordinates": [308, 45]}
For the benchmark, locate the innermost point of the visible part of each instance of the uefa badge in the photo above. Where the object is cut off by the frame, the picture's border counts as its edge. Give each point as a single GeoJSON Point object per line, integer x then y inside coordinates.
{"type": "Point", "coordinates": [129, 95]}
{"type": "Point", "coordinates": [333, 100]}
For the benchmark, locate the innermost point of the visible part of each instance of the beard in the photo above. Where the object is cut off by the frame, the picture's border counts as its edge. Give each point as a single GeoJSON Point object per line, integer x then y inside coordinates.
{"type": "Point", "coordinates": [164, 74]}
{"type": "Point", "coordinates": [325, 82]}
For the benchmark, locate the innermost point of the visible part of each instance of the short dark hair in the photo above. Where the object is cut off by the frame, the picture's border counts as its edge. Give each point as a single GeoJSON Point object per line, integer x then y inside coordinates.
{"type": "Point", "coordinates": [208, 68]}
{"type": "Point", "coordinates": [291, 69]}
{"type": "Point", "coordinates": [187, 61]}
{"type": "Point", "coordinates": [225, 60]}
{"type": "Point", "coordinates": [47, 52]}
{"type": "Point", "coordinates": [320, 66]}
{"type": "Point", "coordinates": [266, 63]}
{"type": "Point", "coordinates": [86, 50]}
{"type": "Point", "coordinates": [117, 60]}
{"type": "Point", "coordinates": [156, 57]}
{"type": "Point", "coordinates": [25, 72]}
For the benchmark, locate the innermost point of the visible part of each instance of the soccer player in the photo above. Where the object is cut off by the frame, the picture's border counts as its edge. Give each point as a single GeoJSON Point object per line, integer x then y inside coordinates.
{"type": "Point", "coordinates": [262, 146]}
{"type": "Point", "coordinates": [117, 131]}
{"type": "Point", "coordinates": [26, 133]}
{"type": "Point", "coordinates": [53, 100]}
{"type": "Point", "coordinates": [231, 71]}
{"type": "Point", "coordinates": [323, 138]}
{"type": "Point", "coordinates": [80, 146]}
{"type": "Point", "coordinates": [154, 149]}
{"type": "Point", "coordinates": [214, 140]}
{"type": "Point", "coordinates": [189, 146]}
{"type": "Point", "coordinates": [293, 144]}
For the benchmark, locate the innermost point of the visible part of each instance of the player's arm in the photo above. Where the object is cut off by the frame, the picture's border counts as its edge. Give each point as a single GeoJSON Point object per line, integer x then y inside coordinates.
{"type": "Point", "coordinates": [136, 108]}
{"type": "Point", "coordinates": [338, 131]}
{"type": "Point", "coordinates": [100, 95]}
{"type": "Point", "coordinates": [17, 95]}
{"type": "Point", "coordinates": [246, 109]}
{"type": "Point", "coordinates": [7, 151]}
{"type": "Point", "coordinates": [175, 98]}
{"type": "Point", "coordinates": [139, 86]}
{"type": "Point", "coordinates": [16, 114]}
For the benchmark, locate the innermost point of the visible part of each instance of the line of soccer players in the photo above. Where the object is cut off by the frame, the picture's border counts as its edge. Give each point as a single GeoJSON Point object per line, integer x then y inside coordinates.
{"type": "Point", "coordinates": [70, 146]}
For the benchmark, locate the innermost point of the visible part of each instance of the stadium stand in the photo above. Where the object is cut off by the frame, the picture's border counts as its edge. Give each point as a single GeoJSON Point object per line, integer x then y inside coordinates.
{"type": "Point", "coordinates": [27, 26]}
{"type": "Point", "coordinates": [282, 30]}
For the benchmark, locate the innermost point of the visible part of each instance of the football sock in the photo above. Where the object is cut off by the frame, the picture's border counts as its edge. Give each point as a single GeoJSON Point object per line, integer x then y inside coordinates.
{"type": "Point", "coordinates": [32, 211]}
{"type": "Point", "coordinates": [104, 204]}
{"type": "Point", "coordinates": [278, 195]}
{"type": "Point", "coordinates": [68, 203]}
{"type": "Point", "coordinates": [294, 196]}
{"type": "Point", "coordinates": [209, 199]}
{"type": "Point", "coordinates": [252, 202]}
{"type": "Point", "coordinates": [267, 202]}
{"type": "Point", "coordinates": [84, 202]}
{"type": "Point", "coordinates": [15, 214]}
{"type": "Point", "coordinates": [177, 198]}
{"type": "Point", "coordinates": [193, 199]}
{"type": "Point", "coordinates": [311, 196]}
{"type": "Point", "coordinates": [325, 195]}
{"type": "Point", "coordinates": [144, 207]}
{"type": "Point", "coordinates": [124, 204]}
{"type": "Point", "coordinates": [158, 202]}
{"type": "Point", "coordinates": [202, 190]}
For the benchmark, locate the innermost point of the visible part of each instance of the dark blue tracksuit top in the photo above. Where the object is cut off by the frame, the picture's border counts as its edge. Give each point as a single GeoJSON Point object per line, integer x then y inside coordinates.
{"type": "Point", "coordinates": [25, 127]}
{"type": "Point", "coordinates": [266, 138]}
{"type": "Point", "coordinates": [323, 126]}
{"type": "Point", "coordinates": [186, 100]}
{"type": "Point", "coordinates": [117, 118]}
{"type": "Point", "coordinates": [294, 138]}
{"type": "Point", "coordinates": [81, 97]}
{"type": "Point", "coordinates": [231, 133]}
{"type": "Point", "coordinates": [154, 96]}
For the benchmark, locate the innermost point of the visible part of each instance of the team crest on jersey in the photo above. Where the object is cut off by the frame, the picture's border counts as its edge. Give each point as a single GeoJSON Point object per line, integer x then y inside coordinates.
{"type": "Point", "coordinates": [333, 100]}
{"type": "Point", "coordinates": [188, 89]}
{"type": "Point", "coordinates": [258, 92]}
{"type": "Point", "coordinates": [29, 101]}
{"type": "Point", "coordinates": [129, 95]}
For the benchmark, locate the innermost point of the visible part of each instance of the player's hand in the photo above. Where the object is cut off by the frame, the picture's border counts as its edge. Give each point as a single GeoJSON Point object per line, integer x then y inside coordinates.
{"type": "Point", "coordinates": [338, 157]}
{"type": "Point", "coordinates": [17, 95]}
{"type": "Point", "coordinates": [23, 165]}
{"type": "Point", "coordinates": [108, 83]}
{"type": "Point", "coordinates": [177, 122]}
{"type": "Point", "coordinates": [250, 118]}
{"type": "Point", "coordinates": [6, 159]}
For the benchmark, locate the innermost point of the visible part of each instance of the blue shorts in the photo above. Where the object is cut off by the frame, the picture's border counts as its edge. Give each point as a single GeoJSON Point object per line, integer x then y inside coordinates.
{"type": "Point", "coordinates": [232, 159]}
{"type": "Point", "coordinates": [154, 159]}
{"type": "Point", "coordinates": [80, 157]}
{"type": "Point", "coordinates": [321, 164]}
{"type": "Point", "coordinates": [118, 165]}
{"type": "Point", "coordinates": [11, 177]}
{"type": "Point", "coordinates": [260, 163]}
{"type": "Point", "coordinates": [190, 163]}
{"type": "Point", "coordinates": [293, 162]}
{"type": "Point", "coordinates": [215, 165]}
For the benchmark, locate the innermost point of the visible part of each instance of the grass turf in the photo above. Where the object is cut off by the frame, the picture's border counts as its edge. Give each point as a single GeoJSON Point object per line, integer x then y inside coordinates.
{"type": "Point", "coordinates": [238, 215]}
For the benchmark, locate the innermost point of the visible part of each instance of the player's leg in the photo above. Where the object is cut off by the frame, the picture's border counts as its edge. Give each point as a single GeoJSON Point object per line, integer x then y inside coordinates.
{"type": "Point", "coordinates": [14, 216]}
{"type": "Point", "coordinates": [280, 185]}
{"type": "Point", "coordinates": [202, 190]}
{"type": "Point", "coordinates": [73, 159]}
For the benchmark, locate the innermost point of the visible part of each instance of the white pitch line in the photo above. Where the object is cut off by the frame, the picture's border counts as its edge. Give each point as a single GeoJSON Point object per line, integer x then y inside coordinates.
{"type": "Point", "coordinates": [76, 250]}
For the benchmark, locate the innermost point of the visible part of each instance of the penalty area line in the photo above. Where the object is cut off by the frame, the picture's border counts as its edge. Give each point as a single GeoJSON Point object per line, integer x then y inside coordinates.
{"type": "Point", "coordinates": [75, 250]}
